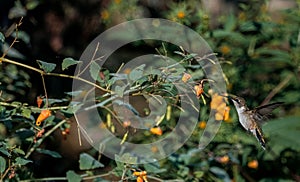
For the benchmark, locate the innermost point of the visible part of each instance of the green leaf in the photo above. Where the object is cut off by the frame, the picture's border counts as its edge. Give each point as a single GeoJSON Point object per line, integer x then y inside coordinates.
{"type": "Point", "coordinates": [21, 161]}
{"type": "Point", "coordinates": [87, 162]}
{"type": "Point", "coordinates": [49, 152]}
{"type": "Point", "coordinates": [230, 23]}
{"type": "Point", "coordinates": [22, 36]}
{"type": "Point", "coordinates": [4, 151]}
{"type": "Point", "coordinates": [47, 67]}
{"type": "Point", "coordinates": [2, 38]}
{"type": "Point", "coordinates": [2, 164]}
{"type": "Point", "coordinates": [73, 177]}
{"type": "Point", "coordinates": [74, 93]}
{"type": "Point", "coordinates": [283, 133]}
{"type": "Point", "coordinates": [69, 62]}
{"type": "Point", "coordinates": [94, 70]}
{"type": "Point", "coordinates": [137, 72]}
{"type": "Point", "coordinates": [26, 112]}
{"type": "Point", "coordinates": [154, 168]}
{"type": "Point", "coordinates": [119, 90]}
{"type": "Point", "coordinates": [220, 173]}
{"type": "Point", "coordinates": [127, 158]}
{"type": "Point", "coordinates": [19, 151]}
{"type": "Point", "coordinates": [30, 5]}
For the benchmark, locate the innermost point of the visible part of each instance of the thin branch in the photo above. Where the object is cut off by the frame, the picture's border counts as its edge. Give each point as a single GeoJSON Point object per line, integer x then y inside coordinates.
{"type": "Point", "coordinates": [39, 142]}
{"type": "Point", "coordinates": [277, 89]}
{"type": "Point", "coordinates": [15, 39]}
{"type": "Point", "coordinates": [45, 90]}
{"type": "Point", "coordinates": [53, 74]}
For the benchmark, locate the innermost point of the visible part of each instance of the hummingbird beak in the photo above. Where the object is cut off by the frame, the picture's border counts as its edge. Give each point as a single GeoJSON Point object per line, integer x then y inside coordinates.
{"type": "Point", "coordinates": [230, 96]}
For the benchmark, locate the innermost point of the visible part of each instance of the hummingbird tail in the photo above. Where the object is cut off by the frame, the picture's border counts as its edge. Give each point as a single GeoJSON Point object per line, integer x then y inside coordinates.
{"type": "Point", "coordinates": [260, 138]}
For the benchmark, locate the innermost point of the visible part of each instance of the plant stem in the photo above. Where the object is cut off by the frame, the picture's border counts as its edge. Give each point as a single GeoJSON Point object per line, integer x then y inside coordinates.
{"type": "Point", "coordinates": [52, 74]}
{"type": "Point", "coordinates": [39, 142]}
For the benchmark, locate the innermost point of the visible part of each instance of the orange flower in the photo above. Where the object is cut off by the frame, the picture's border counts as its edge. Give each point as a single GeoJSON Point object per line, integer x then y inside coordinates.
{"type": "Point", "coordinates": [104, 15]}
{"type": "Point", "coordinates": [180, 15]}
{"type": "Point", "coordinates": [139, 179]}
{"type": "Point", "coordinates": [43, 115]}
{"type": "Point", "coordinates": [154, 149]}
{"type": "Point", "coordinates": [253, 164]}
{"type": "Point", "coordinates": [186, 77]}
{"type": "Point", "coordinates": [156, 131]}
{"type": "Point", "coordinates": [219, 105]}
{"type": "Point", "coordinates": [225, 49]}
{"type": "Point", "coordinates": [118, 1]}
{"type": "Point", "coordinates": [126, 124]}
{"type": "Point", "coordinates": [202, 124]}
{"type": "Point", "coordinates": [141, 176]}
{"type": "Point", "coordinates": [226, 113]}
{"type": "Point", "coordinates": [199, 90]}
{"type": "Point", "coordinates": [39, 101]}
{"type": "Point", "coordinates": [224, 159]}
{"type": "Point", "coordinates": [139, 173]}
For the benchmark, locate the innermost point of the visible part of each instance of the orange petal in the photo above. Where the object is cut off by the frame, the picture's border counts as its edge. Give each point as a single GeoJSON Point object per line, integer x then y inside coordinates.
{"type": "Point", "coordinates": [156, 131]}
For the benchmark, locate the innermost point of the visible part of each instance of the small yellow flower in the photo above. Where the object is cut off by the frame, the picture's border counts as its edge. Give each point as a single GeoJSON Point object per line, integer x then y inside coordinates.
{"type": "Point", "coordinates": [180, 15]}
{"type": "Point", "coordinates": [118, 1]}
{"type": "Point", "coordinates": [104, 15]}
{"type": "Point", "coordinates": [202, 124]}
{"type": "Point", "coordinates": [242, 16]}
{"type": "Point", "coordinates": [225, 49]}
{"type": "Point", "coordinates": [186, 77]}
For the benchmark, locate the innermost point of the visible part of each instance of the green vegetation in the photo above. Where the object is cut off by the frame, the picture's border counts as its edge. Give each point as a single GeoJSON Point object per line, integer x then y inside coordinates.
{"type": "Point", "coordinates": [260, 58]}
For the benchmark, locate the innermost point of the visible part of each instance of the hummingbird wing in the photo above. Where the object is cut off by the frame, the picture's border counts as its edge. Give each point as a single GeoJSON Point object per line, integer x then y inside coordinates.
{"type": "Point", "coordinates": [267, 109]}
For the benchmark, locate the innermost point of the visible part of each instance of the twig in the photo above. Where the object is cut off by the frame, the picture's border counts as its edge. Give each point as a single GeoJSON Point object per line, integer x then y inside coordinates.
{"type": "Point", "coordinates": [279, 87]}
{"type": "Point", "coordinates": [65, 178]}
{"type": "Point", "coordinates": [53, 74]}
{"type": "Point", "coordinates": [39, 142]}
{"type": "Point", "coordinates": [45, 90]}
{"type": "Point", "coordinates": [15, 39]}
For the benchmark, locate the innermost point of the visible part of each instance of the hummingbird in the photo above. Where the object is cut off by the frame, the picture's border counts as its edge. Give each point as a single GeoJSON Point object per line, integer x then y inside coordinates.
{"type": "Point", "coordinates": [251, 119]}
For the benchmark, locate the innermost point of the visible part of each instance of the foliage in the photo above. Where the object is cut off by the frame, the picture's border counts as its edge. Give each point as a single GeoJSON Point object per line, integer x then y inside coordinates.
{"type": "Point", "coordinates": [260, 59]}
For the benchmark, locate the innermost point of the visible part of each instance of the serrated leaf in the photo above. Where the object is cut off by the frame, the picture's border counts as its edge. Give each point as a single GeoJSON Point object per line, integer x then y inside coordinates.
{"type": "Point", "coordinates": [87, 162]}
{"type": "Point", "coordinates": [47, 67]}
{"type": "Point", "coordinates": [49, 152]}
{"type": "Point", "coordinates": [21, 161]}
{"type": "Point", "coordinates": [2, 164]}
{"type": "Point", "coordinates": [67, 62]}
{"type": "Point", "coordinates": [73, 177]}
{"type": "Point", "coordinates": [94, 70]}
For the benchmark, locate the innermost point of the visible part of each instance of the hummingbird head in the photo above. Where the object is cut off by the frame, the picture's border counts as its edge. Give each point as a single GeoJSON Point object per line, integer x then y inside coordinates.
{"type": "Point", "coordinates": [239, 102]}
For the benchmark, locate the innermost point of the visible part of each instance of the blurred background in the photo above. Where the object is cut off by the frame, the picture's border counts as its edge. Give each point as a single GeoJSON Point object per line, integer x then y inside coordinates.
{"type": "Point", "coordinates": [257, 43]}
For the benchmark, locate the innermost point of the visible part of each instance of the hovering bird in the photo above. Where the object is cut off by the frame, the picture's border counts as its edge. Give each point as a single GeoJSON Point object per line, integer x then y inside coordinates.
{"type": "Point", "coordinates": [251, 119]}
